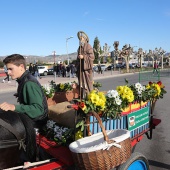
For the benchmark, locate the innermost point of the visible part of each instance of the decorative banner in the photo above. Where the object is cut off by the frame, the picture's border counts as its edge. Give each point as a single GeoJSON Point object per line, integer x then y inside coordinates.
{"type": "Point", "coordinates": [138, 118]}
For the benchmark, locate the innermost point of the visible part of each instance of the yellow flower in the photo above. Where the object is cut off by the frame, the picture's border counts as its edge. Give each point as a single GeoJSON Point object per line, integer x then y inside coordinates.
{"type": "Point", "coordinates": [157, 88]}
{"type": "Point", "coordinates": [61, 86]}
{"type": "Point", "coordinates": [93, 97]}
{"type": "Point", "coordinates": [79, 135]}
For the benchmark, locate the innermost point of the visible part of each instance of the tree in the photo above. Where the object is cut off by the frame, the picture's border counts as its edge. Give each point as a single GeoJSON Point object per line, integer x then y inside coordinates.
{"type": "Point", "coordinates": [97, 50]}
{"type": "Point", "coordinates": [1, 64]}
{"type": "Point", "coordinates": [125, 53]}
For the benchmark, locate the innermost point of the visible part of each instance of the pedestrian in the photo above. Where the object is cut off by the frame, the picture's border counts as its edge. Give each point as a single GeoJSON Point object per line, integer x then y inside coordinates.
{"type": "Point", "coordinates": [58, 70]}
{"type": "Point", "coordinates": [84, 63]}
{"type": "Point", "coordinates": [63, 68]}
{"type": "Point", "coordinates": [99, 69]}
{"type": "Point", "coordinates": [54, 69]}
{"type": "Point", "coordinates": [36, 72]}
{"type": "Point", "coordinates": [155, 67]}
{"type": "Point", "coordinates": [30, 95]}
{"type": "Point", "coordinates": [68, 70]}
{"type": "Point", "coordinates": [7, 75]}
{"type": "Point", "coordinates": [31, 70]}
{"type": "Point", "coordinates": [73, 70]}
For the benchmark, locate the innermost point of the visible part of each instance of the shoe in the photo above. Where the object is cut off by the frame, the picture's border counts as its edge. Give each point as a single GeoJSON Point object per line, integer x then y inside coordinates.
{"type": "Point", "coordinates": [9, 82]}
{"type": "Point", "coordinates": [3, 81]}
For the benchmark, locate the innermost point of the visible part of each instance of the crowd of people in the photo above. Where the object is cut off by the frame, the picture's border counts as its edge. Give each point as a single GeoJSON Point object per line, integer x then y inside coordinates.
{"type": "Point", "coordinates": [33, 69]}
{"type": "Point", "coordinates": [61, 70]}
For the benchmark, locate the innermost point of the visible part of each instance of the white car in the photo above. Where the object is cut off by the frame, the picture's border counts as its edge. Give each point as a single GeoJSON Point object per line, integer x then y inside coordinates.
{"type": "Point", "coordinates": [43, 70]}
{"type": "Point", "coordinates": [103, 67]}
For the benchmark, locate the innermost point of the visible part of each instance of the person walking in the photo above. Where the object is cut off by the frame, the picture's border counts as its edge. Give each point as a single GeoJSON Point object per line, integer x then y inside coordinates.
{"type": "Point", "coordinates": [68, 70]}
{"type": "Point", "coordinates": [99, 69]}
{"type": "Point", "coordinates": [36, 72]}
{"type": "Point", "coordinates": [63, 68]}
{"type": "Point", "coordinates": [31, 70]}
{"type": "Point", "coordinates": [84, 64]}
{"type": "Point", "coordinates": [155, 67]}
{"type": "Point", "coordinates": [7, 75]}
{"type": "Point", "coordinates": [55, 69]}
{"type": "Point", "coordinates": [72, 69]}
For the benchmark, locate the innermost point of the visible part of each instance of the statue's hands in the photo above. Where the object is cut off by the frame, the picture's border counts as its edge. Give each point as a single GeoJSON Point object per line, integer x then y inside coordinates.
{"type": "Point", "coordinates": [6, 106]}
{"type": "Point", "coordinates": [81, 56]}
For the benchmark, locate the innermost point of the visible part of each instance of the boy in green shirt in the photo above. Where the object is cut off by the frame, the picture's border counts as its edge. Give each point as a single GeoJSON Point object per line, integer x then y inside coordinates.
{"type": "Point", "coordinates": [31, 98]}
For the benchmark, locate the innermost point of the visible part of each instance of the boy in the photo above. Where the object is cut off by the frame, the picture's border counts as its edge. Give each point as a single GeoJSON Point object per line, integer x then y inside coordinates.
{"type": "Point", "coordinates": [31, 98]}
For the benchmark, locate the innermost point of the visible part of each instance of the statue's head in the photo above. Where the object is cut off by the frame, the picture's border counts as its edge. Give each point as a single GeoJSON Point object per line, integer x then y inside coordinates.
{"type": "Point", "coordinates": [82, 36]}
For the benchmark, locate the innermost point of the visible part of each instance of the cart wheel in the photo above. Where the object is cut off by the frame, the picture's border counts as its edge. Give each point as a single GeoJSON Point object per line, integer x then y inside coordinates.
{"type": "Point", "coordinates": [137, 161]}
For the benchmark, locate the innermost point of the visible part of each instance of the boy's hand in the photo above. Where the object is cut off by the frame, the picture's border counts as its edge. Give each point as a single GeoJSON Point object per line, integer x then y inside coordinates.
{"type": "Point", "coordinates": [6, 106]}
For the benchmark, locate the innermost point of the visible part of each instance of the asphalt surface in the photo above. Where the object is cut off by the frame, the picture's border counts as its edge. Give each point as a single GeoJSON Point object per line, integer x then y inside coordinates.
{"type": "Point", "coordinates": [12, 86]}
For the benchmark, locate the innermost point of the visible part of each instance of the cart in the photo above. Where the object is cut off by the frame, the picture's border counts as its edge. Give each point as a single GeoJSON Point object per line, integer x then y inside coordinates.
{"type": "Point", "coordinates": [60, 157]}
{"type": "Point", "coordinates": [137, 161]}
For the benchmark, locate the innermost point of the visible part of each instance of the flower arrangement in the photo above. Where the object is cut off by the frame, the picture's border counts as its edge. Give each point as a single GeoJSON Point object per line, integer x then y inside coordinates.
{"type": "Point", "coordinates": [109, 105]}
{"type": "Point", "coordinates": [94, 101]}
{"type": "Point", "coordinates": [97, 85]}
{"type": "Point", "coordinates": [157, 90]}
{"type": "Point", "coordinates": [61, 135]}
{"type": "Point", "coordinates": [48, 90]}
{"type": "Point", "coordinates": [62, 87]}
{"type": "Point", "coordinates": [115, 101]}
{"type": "Point", "coordinates": [52, 87]}
{"type": "Point", "coordinates": [151, 91]}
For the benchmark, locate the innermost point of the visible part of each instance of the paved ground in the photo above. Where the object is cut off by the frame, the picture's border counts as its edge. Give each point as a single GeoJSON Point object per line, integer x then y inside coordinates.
{"type": "Point", "coordinates": [7, 87]}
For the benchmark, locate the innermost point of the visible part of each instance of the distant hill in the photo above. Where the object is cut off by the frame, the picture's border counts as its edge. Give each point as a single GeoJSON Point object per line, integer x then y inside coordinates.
{"type": "Point", "coordinates": [49, 58]}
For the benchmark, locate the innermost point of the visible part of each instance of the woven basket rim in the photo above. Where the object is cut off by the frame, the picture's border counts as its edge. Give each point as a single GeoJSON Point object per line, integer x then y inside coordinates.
{"type": "Point", "coordinates": [97, 142]}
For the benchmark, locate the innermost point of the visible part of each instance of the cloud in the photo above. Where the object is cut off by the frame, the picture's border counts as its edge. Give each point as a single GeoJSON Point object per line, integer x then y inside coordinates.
{"type": "Point", "coordinates": [167, 13]}
{"type": "Point", "coordinates": [86, 13]}
{"type": "Point", "coordinates": [99, 19]}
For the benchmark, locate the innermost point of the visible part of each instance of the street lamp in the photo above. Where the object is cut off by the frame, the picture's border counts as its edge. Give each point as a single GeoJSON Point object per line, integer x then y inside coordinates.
{"type": "Point", "coordinates": [54, 53]}
{"type": "Point", "coordinates": [160, 52]}
{"type": "Point", "coordinates": [67, 48]}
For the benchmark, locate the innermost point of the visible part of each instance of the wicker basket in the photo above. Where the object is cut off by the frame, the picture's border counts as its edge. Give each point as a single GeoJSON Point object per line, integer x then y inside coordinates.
{"type": "Point", "coordinates": [104, 150]}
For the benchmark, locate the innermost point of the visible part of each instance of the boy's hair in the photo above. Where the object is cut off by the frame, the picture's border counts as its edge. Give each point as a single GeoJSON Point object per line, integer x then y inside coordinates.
{"type": "Point", "coordinates": [15, 59]}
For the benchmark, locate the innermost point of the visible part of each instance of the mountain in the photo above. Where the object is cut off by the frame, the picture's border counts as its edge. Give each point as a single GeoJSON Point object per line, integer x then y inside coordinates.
{"type": "Point", "coordinates": [48, 59]}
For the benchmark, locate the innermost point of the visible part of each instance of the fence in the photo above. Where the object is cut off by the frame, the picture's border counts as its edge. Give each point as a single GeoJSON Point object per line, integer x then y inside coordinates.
{"type": "Point", "coordinates": [148, 75]}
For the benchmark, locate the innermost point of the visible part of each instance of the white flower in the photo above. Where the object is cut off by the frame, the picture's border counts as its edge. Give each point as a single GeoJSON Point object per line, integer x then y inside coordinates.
{"type": "Point", "coordinates": [140, 91]}
{"type": "Point", "coordinates": [138, 85]}
{"type": "Point", "coordinates": [143, 88]}
{"type": "Point", "coordinates": [118, 101]}
{"type": "Point", "coordinates": [112, 93]}
{"type": "Point", "coordinates": [50, 124]}
{"type": "Point", "coordinates": [56, 128]}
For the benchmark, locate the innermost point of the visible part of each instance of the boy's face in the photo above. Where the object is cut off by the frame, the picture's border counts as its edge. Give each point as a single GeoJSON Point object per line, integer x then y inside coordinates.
{"type": "Point", "coordinates": [15, 71]}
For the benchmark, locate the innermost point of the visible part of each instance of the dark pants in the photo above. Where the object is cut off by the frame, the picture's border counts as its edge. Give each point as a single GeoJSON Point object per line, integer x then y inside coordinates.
{"type": "Point", "coordinates": [7, 76]}
{"type": "Point", "coordinates": [155, 69]}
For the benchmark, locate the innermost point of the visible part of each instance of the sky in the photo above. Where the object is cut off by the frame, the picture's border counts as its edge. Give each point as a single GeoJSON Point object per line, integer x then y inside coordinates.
{"type": "Point", "coordinates": [39, 27]}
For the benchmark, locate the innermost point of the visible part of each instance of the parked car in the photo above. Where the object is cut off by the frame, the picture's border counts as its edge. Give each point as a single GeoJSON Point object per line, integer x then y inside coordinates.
{"type": "Point", "coordinates": [143, 65]}
{"type": "Point", "coordinates": [124, 66]}
{"type": "Point", "coordinates": [50, 71]}
{"type": "Point", "coordinates": [43, 70]}
{"type": "Point", "coordinates": [103, 67]}
{"type": "Point", "coordinates": [110, 67]}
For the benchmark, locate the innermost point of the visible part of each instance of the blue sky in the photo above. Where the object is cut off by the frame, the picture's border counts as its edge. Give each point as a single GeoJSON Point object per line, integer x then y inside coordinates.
{"type": "Point", "coordinates": [38, 27]}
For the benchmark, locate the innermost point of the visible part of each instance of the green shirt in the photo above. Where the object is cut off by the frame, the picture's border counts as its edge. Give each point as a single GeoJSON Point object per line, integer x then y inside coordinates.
{"type": "Point", "coordinates": [33, 100]}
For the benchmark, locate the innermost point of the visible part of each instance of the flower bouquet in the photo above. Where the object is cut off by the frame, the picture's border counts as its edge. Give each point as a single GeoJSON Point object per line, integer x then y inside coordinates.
{"type": "Point", "coordinates": [60, 134]}
{"type": "Point", "coordinates": [48, 90]}
{"type": "Point", "coordinates": [117, 100]}
{"type": "Point", "coordinates": [57, 93]}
